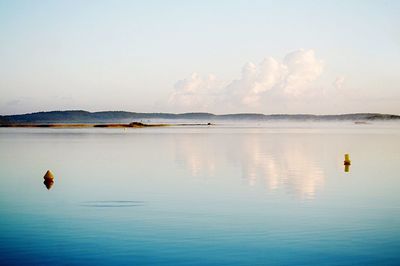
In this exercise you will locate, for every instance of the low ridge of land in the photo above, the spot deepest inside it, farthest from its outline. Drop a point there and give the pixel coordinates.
(85, 117)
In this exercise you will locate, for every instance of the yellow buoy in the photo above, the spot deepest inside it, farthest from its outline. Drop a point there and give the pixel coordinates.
(347, 159)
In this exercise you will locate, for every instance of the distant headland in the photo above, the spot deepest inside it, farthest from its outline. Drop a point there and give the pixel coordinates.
(85, 117)
(80, 125)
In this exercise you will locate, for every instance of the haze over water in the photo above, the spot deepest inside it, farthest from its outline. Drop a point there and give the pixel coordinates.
(260, 194)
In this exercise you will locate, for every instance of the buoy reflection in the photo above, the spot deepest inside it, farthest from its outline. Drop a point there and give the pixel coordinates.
(346, 168)
(48, 183)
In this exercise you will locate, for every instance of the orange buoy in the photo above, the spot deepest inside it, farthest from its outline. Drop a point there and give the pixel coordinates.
(49, 175)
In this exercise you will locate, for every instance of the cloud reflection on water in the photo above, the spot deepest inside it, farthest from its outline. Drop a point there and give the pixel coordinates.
(288, 164)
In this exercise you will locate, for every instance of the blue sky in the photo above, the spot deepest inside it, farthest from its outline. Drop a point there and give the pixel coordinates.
(216, 56)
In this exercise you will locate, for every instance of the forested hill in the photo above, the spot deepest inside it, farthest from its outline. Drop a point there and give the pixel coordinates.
(119, 116)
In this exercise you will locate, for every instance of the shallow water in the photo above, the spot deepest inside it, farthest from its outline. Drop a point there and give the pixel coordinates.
(262, 194)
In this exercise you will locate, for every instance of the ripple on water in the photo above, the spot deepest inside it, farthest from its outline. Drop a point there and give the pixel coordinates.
(112, 204)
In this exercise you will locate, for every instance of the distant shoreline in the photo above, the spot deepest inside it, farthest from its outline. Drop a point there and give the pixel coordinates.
(89, 125)
(81, 125)
(80, 118)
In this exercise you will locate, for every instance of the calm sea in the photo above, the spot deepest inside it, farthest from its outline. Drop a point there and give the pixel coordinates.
(261, 194)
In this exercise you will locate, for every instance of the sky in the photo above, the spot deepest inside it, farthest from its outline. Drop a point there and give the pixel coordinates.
(319, 57)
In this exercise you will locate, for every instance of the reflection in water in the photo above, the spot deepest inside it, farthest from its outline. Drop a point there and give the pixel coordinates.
(112, 204)
(196, 155)
(289, 165)
(48, 183)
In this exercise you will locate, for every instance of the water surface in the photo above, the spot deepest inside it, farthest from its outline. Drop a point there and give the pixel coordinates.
(260, 194)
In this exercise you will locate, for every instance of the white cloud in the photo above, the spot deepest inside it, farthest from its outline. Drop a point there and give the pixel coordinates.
(303, 69)
(195, 91)
(291, 77)
(338, 83)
